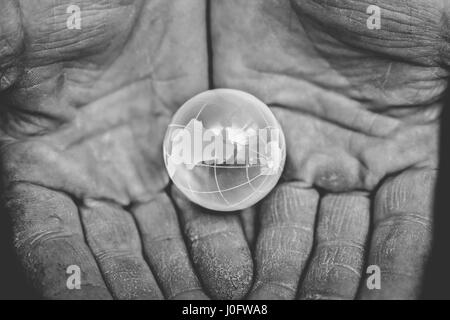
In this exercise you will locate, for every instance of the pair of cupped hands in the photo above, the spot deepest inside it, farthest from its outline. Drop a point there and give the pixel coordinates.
(84, 112)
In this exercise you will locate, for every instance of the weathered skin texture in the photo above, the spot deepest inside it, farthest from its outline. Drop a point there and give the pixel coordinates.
(357, 106)
(287, 221)
(83, 117)
(83, 113)
(218, 247)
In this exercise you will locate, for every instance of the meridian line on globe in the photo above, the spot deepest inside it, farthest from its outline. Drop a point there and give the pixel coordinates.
(264, 117)
(201, 110)
(218, 187)
(252, 194)
(190, 188)
(248, 179)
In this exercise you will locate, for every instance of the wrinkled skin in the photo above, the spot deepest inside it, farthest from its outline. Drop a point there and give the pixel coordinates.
(360, 109)
(84, 113)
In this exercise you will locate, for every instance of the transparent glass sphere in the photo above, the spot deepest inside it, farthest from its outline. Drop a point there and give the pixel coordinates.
(224, 149)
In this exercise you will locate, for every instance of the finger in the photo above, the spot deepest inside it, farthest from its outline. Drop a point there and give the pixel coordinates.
(336, 265)
(165, 249)
(49, 239)
(218, 248)
(284, 241)
(402, 234)
(113, 237)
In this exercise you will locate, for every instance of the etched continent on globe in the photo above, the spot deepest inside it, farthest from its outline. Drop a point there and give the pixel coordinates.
(225, 150)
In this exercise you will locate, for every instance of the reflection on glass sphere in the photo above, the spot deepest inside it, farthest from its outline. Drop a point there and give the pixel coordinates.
(224, 149)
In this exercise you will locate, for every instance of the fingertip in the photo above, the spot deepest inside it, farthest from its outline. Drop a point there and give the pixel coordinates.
(268, 291)
(191, 295)
(218, 248)
(225, 267)
(89, 292)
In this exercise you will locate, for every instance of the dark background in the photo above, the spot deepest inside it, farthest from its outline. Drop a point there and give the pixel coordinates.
(437, 285)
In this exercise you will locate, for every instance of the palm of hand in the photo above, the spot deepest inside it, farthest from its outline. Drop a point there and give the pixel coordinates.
(357, 106)
(84, 119)
(72, 114)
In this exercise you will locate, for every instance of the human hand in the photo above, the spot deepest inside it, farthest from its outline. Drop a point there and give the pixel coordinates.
(83, 117)
(360, 110)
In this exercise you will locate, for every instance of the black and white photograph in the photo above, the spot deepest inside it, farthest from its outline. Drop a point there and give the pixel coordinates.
(237, 150)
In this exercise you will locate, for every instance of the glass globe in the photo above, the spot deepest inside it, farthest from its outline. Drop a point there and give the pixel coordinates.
(224, 149)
